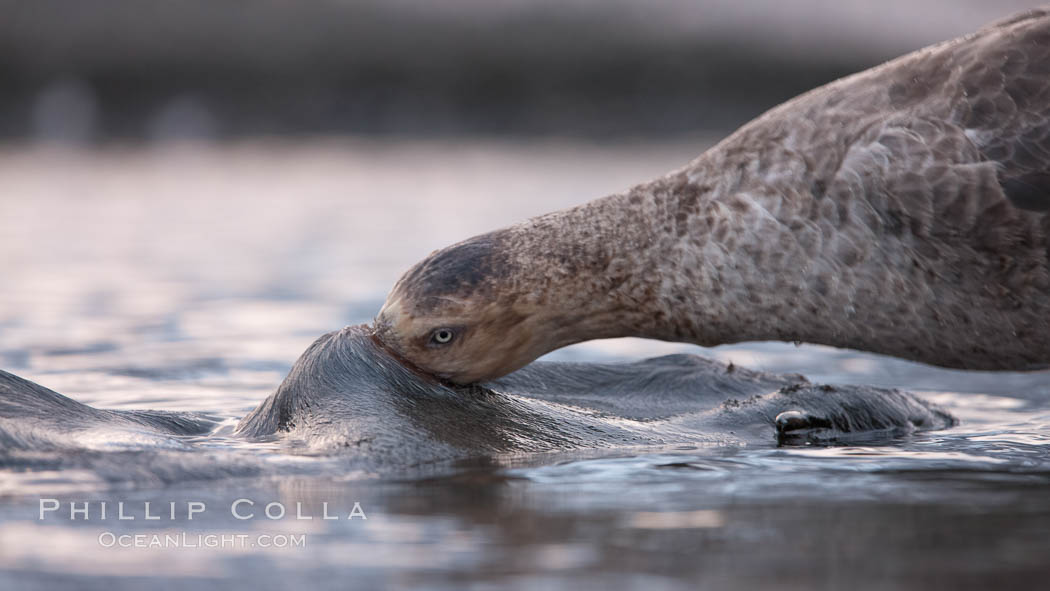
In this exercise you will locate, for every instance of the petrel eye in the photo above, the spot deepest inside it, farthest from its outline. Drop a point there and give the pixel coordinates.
(442, 336)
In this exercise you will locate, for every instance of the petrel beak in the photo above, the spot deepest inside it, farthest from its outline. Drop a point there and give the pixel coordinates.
(386, 320)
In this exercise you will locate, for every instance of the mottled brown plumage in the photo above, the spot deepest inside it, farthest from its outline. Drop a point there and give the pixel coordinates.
(903, 210)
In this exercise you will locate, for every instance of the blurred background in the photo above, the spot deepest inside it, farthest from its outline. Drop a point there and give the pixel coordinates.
(192, 191)
(195, 190)
(204, 69)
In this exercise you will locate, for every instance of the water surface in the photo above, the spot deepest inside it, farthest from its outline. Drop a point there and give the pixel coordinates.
(191, 277)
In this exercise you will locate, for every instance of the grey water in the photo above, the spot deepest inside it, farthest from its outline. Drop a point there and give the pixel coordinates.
(190, 276)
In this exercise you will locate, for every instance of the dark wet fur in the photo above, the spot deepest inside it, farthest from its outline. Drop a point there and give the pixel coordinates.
(40, 430)
(346, 399)
(345, 391)
(35, 406)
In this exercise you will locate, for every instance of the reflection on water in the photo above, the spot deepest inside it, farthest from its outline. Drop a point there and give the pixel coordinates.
(191, 278)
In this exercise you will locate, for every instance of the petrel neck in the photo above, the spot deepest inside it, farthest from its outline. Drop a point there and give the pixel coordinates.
(723, 252)
(676, 259)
